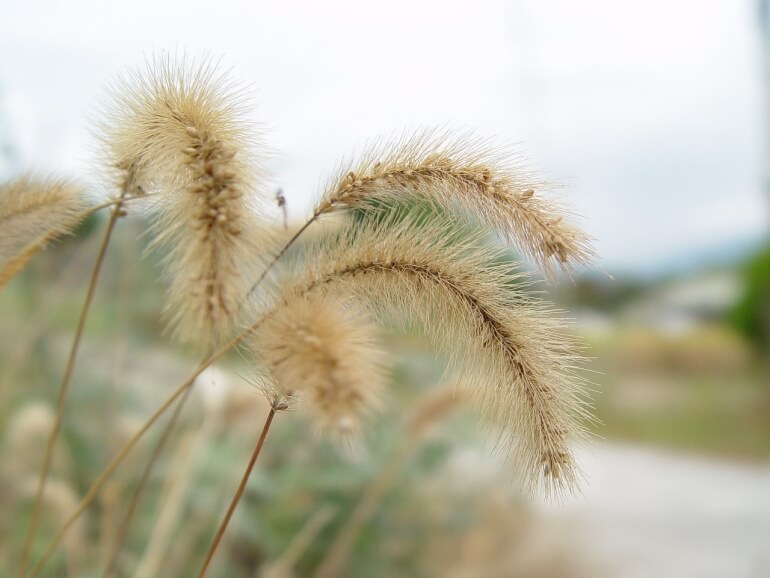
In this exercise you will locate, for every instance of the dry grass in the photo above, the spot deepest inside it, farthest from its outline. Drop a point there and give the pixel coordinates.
(34, 212)
(324, 353)
(512, 352)
(177, 135)
(180, 129)
(471, 173)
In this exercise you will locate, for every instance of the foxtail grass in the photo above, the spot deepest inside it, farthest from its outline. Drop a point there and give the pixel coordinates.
(518, 365)
(182, 129)
(325, 354)
(276, 407)
(115, 214)
(178, 133)
(34, 213)
(510, 349)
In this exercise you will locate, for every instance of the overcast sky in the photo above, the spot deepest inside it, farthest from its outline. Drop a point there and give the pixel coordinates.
(648, 111)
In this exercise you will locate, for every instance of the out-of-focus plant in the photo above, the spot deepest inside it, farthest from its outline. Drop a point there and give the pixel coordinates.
(177, 142)
(751, 314)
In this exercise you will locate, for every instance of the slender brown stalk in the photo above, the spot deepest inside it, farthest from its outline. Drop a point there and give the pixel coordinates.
(110, 468)
(238, 493)
(172, 422)
(281, 253)
(120, 456)
(284, 565)
(129, 513)
(35, 330)
(107, 472)
(118, 201)
(337, 556)
(464, 291)
(20, 259)
(432, 408)
(171, 504)
(64, 387)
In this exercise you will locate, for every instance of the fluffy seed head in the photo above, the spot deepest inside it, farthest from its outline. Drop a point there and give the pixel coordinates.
(473, 175)
(181, 129)
(325, 353)
(35, 211)
(511, 351)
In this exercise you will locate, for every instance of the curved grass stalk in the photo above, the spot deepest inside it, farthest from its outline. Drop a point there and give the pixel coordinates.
(433, 407)
(284, 565)
(171, 505)
(515, 357)
(117, 212)
(15, 265)
(524, 382)
(274, 408)
(169, 428)
(110, 468)
(137, 493)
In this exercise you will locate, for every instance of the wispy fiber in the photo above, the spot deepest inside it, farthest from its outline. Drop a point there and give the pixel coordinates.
(469, 173)
(324, 353)
(33, 213)
(512, 351)
(181, 129)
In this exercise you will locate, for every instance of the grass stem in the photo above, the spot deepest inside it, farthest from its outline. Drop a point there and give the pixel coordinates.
(238, 493)
(64, 386)
(134, 502)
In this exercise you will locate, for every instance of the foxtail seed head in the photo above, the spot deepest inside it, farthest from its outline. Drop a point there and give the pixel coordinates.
(181, 129)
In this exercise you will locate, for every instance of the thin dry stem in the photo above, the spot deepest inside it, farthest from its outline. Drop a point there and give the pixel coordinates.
(171, 504)
(238, 494)
(142, 483)
(108, 470)
(280, 254)
(105, 475)
(64, 386)
(429, 410)
(282, 567)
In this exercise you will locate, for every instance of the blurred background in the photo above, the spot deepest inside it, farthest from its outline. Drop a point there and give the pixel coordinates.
(652, 117)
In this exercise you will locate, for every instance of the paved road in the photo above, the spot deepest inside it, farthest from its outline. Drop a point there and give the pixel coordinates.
(660, 515)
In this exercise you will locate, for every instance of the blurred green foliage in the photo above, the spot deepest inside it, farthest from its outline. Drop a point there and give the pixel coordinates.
(751, 315)
(88, 225)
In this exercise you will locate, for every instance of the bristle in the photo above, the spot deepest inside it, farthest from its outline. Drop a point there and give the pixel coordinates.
(181, 130)
(34, 212)
(513, 353)
(324, 353)
(473, 175)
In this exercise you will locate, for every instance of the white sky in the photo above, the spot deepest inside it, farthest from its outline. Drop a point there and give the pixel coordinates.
(649, 111)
